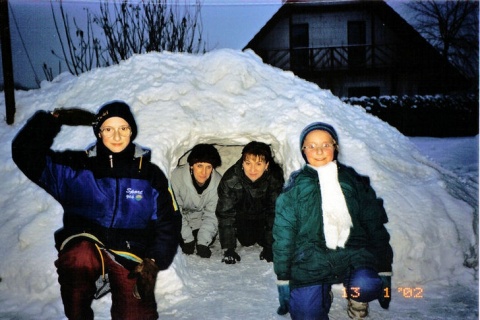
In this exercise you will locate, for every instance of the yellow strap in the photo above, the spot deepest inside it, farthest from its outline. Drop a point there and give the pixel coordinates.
(85, 235)
(174, 202)
(103, 262)
(124, 254)
(127, 255)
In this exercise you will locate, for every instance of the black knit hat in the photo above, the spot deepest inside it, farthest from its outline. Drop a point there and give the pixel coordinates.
(257, 148)
(114, 109)
(318, 126)
(204, 153)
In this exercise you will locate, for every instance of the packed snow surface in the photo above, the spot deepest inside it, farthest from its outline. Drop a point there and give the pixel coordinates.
(229, 98)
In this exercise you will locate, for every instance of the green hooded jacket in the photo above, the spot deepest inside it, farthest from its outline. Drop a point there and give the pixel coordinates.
(299, 248)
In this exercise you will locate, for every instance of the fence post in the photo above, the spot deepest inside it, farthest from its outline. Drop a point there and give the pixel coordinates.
(9, 86)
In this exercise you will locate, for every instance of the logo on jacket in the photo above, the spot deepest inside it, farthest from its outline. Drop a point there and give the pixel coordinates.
(134, 194)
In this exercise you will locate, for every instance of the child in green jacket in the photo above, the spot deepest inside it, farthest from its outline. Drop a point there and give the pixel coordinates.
(329, 228)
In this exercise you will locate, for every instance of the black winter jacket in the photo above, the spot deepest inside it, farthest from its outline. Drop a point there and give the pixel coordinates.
(240, 198)
(122, 199)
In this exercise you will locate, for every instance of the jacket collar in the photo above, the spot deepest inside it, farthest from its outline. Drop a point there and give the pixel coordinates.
(138, 151)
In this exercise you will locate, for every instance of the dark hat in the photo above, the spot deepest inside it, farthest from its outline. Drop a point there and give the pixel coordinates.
(114, 109)
(204, 153)
(318, 126)
(257, 148)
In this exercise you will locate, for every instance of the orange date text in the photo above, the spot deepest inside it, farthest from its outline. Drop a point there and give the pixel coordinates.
(411, 292)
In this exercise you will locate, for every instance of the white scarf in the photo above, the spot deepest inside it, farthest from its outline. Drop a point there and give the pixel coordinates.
(336, 218)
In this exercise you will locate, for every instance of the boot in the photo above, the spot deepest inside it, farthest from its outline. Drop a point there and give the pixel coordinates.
(357, 310)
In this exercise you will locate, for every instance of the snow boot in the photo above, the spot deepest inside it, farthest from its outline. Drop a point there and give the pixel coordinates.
(357, 310)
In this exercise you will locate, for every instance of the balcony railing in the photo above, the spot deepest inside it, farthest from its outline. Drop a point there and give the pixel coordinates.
(332, 58)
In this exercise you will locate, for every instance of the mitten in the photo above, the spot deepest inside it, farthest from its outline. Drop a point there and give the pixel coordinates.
(231, 257)
(146, 274)
(386, 294)
(266, 254)
(74, 116)
(203, 251)
(283, 287)
(189, 247)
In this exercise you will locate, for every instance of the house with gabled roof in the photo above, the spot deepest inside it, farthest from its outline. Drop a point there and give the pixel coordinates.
(354, 48)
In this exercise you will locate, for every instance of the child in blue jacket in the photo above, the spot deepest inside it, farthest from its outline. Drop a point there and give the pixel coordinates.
(120, 219)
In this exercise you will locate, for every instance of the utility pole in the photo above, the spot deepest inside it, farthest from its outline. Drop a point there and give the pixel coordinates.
(9, 87)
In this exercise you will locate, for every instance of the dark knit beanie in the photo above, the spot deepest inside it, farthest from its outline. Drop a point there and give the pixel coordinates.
(115, 109)
(318, 126)
(204, 153)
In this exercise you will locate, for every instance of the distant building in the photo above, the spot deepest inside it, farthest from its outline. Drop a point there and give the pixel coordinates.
(354, 48)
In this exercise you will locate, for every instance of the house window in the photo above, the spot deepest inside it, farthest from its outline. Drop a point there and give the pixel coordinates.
(356, 43)
(299, 44)
(363, 92)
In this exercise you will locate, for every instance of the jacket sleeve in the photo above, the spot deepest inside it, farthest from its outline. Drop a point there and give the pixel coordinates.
(373, 219)
(31, 145)
(167, 226)
(284, 235)
(227, 198)
(209, 225)
(275, 188)
(178, 189)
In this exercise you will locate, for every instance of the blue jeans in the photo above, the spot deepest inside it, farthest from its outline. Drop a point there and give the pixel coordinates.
(310, 303)
(363, 285)
(314, 302)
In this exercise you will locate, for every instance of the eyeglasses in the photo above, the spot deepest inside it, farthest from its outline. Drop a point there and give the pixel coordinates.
(123, 131)
(312, 147)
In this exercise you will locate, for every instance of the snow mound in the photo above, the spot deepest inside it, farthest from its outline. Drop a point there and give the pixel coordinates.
(229, 98)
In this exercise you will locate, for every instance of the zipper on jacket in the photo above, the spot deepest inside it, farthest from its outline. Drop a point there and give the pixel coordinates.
(117, 196)
(111, 161)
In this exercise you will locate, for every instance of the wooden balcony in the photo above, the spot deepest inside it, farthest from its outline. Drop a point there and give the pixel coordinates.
(333, 58)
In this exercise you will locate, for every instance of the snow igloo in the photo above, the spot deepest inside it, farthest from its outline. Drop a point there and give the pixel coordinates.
(229, 98)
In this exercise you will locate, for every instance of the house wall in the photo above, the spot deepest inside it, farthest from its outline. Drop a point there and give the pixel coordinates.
(386, 83)
(326, 29)
(330, 29)
(278, 37)
(403, 69)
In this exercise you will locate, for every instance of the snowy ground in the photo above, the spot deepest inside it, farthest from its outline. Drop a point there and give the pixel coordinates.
(430, 187)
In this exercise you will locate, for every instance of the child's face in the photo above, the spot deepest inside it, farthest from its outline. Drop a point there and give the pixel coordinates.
(319, 148)
(115, 133)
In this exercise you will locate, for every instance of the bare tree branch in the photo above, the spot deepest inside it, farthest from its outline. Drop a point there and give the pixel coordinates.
(128, 27)
(451, 26)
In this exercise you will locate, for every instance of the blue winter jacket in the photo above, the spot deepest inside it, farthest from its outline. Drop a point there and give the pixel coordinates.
(122, 199)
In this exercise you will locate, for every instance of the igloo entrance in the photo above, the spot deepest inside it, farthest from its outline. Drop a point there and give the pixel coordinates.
(230, 150)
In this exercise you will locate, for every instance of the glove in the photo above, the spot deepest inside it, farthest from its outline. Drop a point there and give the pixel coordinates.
(189, 247)
(266, 254)
(386, 295)
(231, 257)
(74, 116)
(283, 287)
(203, 251)
(146, 274)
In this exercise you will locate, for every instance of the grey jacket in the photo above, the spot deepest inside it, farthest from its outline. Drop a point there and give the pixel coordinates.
(198, 210)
